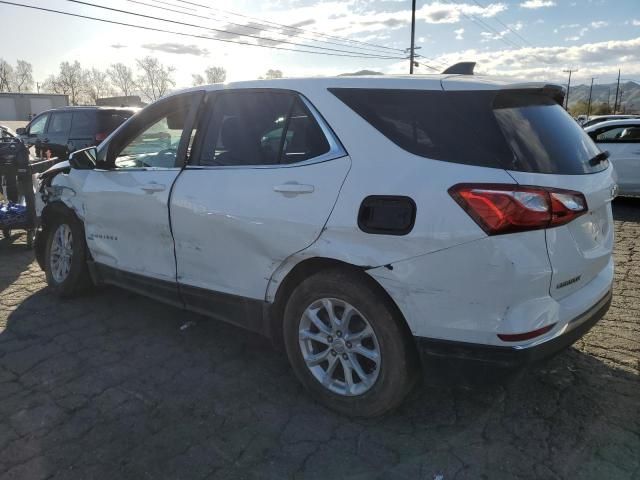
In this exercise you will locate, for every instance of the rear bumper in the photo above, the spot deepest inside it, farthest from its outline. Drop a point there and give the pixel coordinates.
(517, 356)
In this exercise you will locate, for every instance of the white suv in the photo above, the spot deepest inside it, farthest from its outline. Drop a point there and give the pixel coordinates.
(360, 221)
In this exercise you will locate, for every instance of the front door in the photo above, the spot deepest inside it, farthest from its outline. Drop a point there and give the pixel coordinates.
(623, 143)
(126, 202)
(260, 188)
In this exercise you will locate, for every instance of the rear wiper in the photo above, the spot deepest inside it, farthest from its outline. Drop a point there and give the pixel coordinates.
(599, 158)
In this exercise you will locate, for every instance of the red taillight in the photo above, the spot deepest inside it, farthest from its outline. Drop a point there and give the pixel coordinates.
(519, 337)
(101, 136)
(500, 209)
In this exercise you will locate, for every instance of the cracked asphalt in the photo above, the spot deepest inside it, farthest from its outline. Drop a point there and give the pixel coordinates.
(109, 386)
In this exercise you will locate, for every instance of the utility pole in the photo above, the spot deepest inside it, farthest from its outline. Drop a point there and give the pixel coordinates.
(413, 36)
(615, 104)
(38, 86)
(570, 71)
(590, 92)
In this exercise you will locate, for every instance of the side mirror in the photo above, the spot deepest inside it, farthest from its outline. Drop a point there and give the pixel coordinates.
(84, 159)
(21, 131)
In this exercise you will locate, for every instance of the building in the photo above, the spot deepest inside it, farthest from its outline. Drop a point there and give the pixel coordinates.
(22, 106)
(130, 101)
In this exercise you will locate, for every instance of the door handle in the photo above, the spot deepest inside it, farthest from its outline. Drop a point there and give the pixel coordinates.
(293, 188)
(153, 187)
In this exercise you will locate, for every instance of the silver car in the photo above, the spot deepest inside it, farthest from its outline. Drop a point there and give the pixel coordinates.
(621, 138)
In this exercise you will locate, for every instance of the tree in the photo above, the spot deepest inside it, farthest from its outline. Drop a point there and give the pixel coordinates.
(98, 85)
(215, 74)
(578, 108)
(155, 79)
(71, 80)
(23, 76)
(601, 109)
(6, 76)
(121, 77)
(197, 79)
(271, 74)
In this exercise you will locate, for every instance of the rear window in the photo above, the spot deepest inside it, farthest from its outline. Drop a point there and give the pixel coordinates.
(521, 130)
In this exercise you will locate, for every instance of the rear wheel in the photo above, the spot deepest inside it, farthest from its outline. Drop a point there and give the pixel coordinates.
(65, 261)
(347, 346)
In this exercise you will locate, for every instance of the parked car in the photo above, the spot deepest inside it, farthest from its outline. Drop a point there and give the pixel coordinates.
(594, 120)
(395, 217)
(621, 138)
(9, 147)
(65, 130)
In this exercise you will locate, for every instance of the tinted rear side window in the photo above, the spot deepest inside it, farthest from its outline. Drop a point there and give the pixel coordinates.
(110, 120)
(520, 130)
(84, 124)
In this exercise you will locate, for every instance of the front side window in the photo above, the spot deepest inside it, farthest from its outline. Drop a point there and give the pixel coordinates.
(60, 123)
(617, 134)
(37, 127)
(157, 144)
(261, 128)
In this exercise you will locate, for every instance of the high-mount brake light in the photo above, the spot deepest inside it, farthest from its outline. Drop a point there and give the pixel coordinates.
(500, 208)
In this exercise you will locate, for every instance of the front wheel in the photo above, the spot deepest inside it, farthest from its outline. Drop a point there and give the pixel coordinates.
(347, 345)
(65, 256)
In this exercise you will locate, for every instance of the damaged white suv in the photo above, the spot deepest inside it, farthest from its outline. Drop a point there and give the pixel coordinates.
(360, 221)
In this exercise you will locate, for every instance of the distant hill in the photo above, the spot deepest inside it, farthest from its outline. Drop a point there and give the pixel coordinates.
(604, 93)
(360, 73)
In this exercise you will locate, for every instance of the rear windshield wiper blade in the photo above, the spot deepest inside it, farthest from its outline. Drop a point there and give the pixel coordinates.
(599, 158)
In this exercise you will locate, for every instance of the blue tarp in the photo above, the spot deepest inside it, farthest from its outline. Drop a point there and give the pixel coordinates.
(12, 215)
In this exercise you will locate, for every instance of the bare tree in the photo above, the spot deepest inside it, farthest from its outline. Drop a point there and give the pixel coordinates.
(215, 74)
(155, 79)
(98, 85)
(121, 77)
(23, 77)
(71, 81)
(271, 74)
(197, 79)
(6, 76)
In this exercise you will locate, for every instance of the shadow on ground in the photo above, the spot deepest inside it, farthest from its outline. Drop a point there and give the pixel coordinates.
(109, 386)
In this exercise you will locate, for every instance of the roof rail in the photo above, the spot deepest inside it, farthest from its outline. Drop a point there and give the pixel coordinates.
(462, 68)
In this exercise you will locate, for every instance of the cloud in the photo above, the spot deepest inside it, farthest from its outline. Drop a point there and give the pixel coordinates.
(599, 24)
(635, 23)
(177, 48)
(546, 63)
(118, 46)
(459, 34)
(532, 4)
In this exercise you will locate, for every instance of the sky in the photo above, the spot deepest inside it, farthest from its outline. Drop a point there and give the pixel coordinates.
(532, 39)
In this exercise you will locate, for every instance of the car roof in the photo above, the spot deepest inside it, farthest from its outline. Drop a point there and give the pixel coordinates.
(409, 82)
(90, 108)
(613, 123)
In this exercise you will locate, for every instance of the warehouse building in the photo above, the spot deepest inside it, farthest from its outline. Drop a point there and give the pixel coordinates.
(23, 106)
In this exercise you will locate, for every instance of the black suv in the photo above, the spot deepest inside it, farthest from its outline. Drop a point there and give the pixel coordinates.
(65, 130)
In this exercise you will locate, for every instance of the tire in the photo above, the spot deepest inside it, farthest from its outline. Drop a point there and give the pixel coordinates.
(75, 279)
(386, 381)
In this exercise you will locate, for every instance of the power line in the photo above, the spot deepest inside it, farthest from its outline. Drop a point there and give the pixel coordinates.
(249, 27)
(191, 35)
(192, 25)
(287, 26)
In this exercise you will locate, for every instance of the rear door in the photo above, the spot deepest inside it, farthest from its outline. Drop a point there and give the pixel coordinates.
(260, 187)
(83, 130)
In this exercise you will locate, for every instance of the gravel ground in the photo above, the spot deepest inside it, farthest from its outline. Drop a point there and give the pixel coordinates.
(109, 386)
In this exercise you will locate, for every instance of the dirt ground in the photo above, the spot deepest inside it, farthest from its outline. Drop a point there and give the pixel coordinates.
(108, 386)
